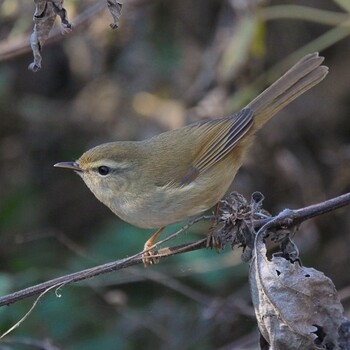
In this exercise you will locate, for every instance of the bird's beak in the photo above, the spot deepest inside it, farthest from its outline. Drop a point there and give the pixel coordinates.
(69, 165)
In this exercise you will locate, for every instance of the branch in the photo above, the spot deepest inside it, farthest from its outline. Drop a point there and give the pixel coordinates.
(98, 270)
(287, 218)
(303, 214)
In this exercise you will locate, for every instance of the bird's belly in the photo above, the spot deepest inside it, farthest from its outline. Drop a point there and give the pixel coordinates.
(166, 206)
(154, 215)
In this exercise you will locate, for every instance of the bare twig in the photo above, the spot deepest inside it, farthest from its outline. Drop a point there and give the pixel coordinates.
(292, 217)
(95, 271)
(33, 343)
(17, 324)
(303, 214)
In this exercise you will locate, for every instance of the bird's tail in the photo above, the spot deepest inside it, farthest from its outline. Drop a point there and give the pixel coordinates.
(301, 77)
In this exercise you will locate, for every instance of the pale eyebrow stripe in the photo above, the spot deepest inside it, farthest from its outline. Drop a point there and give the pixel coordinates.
(110, 164)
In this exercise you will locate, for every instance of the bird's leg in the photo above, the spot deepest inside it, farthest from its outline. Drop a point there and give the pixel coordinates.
(147, 257)
(211, 239)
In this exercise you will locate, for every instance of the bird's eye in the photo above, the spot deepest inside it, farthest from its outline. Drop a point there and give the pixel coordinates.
(103, 170)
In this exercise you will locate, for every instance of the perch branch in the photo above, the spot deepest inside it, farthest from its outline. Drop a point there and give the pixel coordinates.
(293, 217)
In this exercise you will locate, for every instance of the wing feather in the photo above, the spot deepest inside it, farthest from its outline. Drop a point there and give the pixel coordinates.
(228, 132)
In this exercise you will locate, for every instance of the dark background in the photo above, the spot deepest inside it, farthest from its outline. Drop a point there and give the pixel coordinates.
(169, 63)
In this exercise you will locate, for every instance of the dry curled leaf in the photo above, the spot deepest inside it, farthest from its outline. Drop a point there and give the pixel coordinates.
(234, 223)
(115, 8)
(296, 307)
(44, 19)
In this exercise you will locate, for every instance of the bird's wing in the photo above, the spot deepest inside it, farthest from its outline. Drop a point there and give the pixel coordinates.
(222, 136)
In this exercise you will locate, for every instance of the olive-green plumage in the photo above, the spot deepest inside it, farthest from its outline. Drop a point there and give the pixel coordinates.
(183, 172)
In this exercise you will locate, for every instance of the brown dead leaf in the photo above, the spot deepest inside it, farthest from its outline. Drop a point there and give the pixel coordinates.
(296, 307)
(115, 8)
(44, 19)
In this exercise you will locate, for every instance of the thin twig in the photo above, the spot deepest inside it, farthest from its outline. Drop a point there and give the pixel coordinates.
(95, 271)
(294, 217)
(33, 343)
(17, 324)
(303, 214)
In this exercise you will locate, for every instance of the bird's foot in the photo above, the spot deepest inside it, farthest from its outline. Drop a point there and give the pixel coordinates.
(149, 257)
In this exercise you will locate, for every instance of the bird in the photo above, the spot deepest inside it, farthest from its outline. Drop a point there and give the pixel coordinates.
(181, 173)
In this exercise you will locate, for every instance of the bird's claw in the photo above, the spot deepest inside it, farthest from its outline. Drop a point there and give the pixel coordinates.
(150, 257)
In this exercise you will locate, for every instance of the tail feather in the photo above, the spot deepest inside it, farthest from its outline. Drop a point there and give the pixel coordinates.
(305, 74)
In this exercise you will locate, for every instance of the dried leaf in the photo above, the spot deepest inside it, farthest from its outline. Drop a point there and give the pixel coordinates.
(44, 19)
(296, 307)
(115, 8)
(234, 224)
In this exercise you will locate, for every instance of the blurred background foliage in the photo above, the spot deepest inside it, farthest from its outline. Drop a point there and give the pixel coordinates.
(169, 63)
